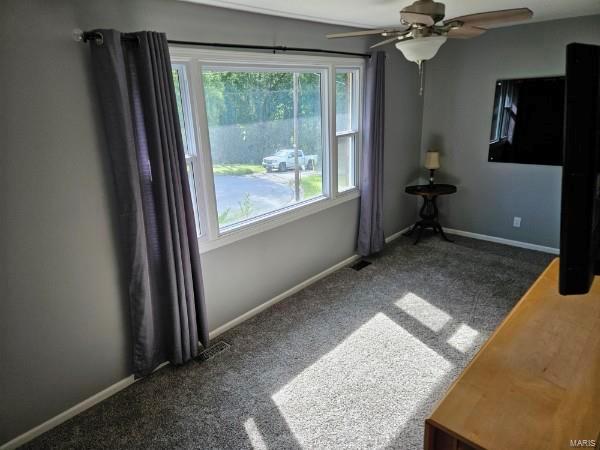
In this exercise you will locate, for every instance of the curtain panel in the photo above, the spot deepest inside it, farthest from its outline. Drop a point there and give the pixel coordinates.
(370, 231)
(139, 114)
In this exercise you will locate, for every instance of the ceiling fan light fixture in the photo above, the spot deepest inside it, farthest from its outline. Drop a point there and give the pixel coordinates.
(421, 49)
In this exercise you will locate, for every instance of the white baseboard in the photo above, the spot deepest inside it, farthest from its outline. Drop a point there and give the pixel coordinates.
(223, 328)
(254, 311)
(125, 382)
(395, 236)
(68, 414)
(120, 385)
(71, 412)
(484, 237)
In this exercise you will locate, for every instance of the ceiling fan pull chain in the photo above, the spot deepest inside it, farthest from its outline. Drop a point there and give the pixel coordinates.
(421, 65)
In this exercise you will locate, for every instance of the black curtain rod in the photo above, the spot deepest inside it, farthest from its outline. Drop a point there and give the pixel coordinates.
(95, 36)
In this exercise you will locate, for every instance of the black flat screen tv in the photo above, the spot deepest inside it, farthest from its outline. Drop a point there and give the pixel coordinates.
(527, 121)
(580, 209)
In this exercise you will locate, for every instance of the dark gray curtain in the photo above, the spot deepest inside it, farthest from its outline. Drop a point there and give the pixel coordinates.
(139, 112)
(370, 231)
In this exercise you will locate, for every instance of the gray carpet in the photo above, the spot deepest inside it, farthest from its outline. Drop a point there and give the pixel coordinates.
(356, 360)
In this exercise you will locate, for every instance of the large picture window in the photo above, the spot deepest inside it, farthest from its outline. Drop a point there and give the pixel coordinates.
(268, 138)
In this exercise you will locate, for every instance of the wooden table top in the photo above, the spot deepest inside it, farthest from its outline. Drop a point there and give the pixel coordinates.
(535, 384)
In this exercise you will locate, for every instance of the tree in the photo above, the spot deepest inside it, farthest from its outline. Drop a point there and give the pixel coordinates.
(250, 114)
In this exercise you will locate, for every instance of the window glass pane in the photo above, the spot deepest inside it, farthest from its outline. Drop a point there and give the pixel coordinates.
(346, 162)
(181, 98)
(495, 132)
(190, 173)
(183, 108)
(344, 101)
(266, 143)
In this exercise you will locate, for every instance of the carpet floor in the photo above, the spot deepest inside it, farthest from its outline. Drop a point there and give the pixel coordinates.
(357, 360)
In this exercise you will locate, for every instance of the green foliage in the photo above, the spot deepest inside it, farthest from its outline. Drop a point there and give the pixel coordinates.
(225, 217)
(343, 93)
(229, 216)
(246, 206)
(312, 185)
(250, 114)
(237, 169)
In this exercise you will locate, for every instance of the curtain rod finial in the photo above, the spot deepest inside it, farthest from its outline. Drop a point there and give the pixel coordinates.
(85, 36)
(77, 34)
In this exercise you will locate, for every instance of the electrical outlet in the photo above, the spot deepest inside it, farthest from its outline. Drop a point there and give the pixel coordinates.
(517, 222)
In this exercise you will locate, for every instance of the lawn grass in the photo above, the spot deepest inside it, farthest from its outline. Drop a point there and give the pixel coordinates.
(237, 169)
(312, 185)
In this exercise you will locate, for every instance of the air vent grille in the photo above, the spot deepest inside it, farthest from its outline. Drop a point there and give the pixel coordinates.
(213, 351)
(361, 265)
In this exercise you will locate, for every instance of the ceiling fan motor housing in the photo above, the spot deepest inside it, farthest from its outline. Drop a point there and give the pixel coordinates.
(436, 10)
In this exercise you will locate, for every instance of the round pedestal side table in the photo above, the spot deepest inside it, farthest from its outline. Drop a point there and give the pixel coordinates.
(429, 210)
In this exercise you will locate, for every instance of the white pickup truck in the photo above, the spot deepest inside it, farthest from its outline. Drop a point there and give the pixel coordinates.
(284, 160)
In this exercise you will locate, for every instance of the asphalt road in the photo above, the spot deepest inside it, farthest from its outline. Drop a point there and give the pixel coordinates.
(268, 191)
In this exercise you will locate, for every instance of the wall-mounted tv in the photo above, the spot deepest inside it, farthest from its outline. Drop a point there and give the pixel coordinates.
(580, 212)
(527, 123)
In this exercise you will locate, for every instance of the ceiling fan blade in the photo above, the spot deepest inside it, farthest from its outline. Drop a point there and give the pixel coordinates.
(422, 19)
(489, 18)
(465, 32)
(387, 41)
(397, 35)
(358, 33)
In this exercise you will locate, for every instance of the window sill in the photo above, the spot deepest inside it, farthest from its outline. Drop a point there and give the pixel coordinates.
(264, 223)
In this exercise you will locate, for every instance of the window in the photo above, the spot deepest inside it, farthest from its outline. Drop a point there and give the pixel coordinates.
(258, 131)
(266, 140)
(346, 102)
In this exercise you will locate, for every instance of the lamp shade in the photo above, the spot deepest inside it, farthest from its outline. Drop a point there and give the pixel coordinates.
(420, 49)
(432, 160)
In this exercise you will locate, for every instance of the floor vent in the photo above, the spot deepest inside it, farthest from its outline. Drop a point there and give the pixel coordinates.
(213, 351)
(361, 265)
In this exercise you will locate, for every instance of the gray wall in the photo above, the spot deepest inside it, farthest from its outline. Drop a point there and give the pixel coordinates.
(403, 108)
(64, 327)
(457, 118)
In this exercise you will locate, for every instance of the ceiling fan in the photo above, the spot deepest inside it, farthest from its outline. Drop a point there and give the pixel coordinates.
(422, 31)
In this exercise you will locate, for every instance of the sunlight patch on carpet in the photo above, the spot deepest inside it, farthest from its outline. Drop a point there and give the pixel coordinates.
(429, 315)
(464, 338)
(364, 391)
(256, 439)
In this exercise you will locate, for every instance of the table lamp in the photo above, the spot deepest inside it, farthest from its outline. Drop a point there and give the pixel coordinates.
(432, 162)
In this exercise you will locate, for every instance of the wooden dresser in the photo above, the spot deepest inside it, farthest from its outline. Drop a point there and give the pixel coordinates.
(535, 384)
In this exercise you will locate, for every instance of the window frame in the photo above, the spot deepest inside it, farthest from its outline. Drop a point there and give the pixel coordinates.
(356, 129)
(326, 160)
(191, 143)
(192, 60)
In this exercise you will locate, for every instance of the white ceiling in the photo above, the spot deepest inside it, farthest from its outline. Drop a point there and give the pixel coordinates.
(377, 13)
